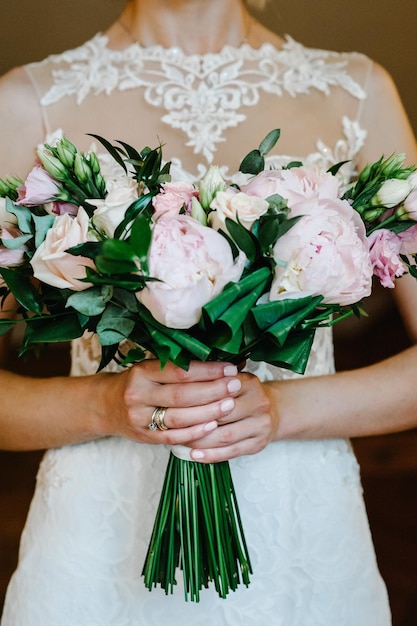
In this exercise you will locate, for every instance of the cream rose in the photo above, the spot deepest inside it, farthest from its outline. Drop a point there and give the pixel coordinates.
(236, 205)
(110, 212)
(52, 264)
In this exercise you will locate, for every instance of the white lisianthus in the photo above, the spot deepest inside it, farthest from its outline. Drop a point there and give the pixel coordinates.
(392, 192)
(110, 212)
(236, 205)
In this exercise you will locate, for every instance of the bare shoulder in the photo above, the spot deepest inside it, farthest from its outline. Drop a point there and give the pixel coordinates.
(21, 123)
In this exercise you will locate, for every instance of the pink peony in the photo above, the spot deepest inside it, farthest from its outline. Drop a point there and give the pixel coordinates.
(52, 264)
(326, 254)
(174, 197)
(38, 188)
(297, 184)
(193, 263)
(384, 249)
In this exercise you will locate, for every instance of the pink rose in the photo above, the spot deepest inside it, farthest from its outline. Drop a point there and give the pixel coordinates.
(38, 188)
(193, 263)
(384, 249)
(326, 254)
(10, 257)
(236, 205)
(174, 197)
(52, 264)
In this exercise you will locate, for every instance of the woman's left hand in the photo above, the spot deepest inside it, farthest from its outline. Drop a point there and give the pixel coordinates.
(246, 430)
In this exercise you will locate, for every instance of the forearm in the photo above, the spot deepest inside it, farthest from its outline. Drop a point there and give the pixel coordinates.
(37, 413)
(373, 400)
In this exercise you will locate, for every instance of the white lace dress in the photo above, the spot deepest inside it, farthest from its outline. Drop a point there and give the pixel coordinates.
(301, 502)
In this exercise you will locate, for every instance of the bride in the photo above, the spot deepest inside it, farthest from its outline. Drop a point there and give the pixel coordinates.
(208, 81)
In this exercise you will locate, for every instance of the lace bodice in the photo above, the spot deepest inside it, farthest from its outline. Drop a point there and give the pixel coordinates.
(208, 107)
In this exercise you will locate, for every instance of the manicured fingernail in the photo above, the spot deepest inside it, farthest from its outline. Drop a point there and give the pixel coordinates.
(227, 405)
(197, 454)
(234, 385)
(230, 370)
(210, 426)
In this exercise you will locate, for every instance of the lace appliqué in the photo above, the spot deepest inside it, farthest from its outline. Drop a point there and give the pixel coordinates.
(202, 95)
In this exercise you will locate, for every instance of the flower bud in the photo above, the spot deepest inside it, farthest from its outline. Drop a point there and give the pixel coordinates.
(66, 152)
(197, 211)
(94, 163)
(52, 165)
(392, 192)
(210, 185)
(372, 215)
(82, 170)
(391, 164)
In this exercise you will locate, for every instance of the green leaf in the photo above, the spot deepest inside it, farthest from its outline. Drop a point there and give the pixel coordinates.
(234, 291)
(23, 290)
(293, 355)
(90, 302)
(114, 326)
(253, 163)
(140, 239)
(89, 250)
(114, 152)
(280, 317)
(118, 250)
(52, 329)
(269, 142)
(17, 242)
(6, 325)
(137, 207)
(23, 215)
(42, 224)
(243, 239)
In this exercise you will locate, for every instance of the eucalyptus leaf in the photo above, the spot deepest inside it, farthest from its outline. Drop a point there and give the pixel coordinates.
(42, 224)
(89, 302)
(23, 215)
(17, 242)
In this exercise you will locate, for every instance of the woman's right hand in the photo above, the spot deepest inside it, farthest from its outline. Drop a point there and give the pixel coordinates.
(194, 400)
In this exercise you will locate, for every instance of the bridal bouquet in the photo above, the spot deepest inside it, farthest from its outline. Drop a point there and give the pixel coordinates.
(209, 271)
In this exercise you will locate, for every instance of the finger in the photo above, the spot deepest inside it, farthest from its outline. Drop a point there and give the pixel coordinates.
(179, 418)
(196, 395)
(197, 372)
(178, 436)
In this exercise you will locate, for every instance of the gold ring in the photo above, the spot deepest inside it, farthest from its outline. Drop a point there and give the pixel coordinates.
(157, 421)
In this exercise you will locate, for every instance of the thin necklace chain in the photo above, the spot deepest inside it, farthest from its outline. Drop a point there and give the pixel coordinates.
(248, 29)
